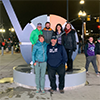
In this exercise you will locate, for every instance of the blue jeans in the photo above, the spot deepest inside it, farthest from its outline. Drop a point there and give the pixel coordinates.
(40, 70)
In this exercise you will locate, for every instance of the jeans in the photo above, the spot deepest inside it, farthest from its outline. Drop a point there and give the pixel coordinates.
(40, 70)
(70, 61)
(52, 76)
(93, 60)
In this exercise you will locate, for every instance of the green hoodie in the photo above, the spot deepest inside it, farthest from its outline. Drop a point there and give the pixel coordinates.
(34, 36)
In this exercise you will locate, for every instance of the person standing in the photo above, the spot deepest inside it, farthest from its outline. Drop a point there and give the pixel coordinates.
(35, 33)
(90, 55)
(97, 50)
(58, 31)
(56, 59)
(47, 32)
(39, 58)
(69, 42)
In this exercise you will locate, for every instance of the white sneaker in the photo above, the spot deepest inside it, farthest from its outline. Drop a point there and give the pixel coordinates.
(87, 73)
(98, 75)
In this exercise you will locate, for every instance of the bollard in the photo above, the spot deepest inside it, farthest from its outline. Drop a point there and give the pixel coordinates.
(2, 49)
(12, 49)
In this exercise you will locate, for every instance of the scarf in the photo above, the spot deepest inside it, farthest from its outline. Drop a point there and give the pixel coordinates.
(67, 31)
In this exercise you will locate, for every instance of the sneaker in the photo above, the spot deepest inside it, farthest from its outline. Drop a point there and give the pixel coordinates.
(37, 91)
(61, 91)
(42, 91)
(51, 90)
(87, 73)
(98, 74)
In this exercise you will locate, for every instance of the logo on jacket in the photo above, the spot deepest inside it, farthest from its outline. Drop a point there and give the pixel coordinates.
(53, 50)
(91, 49)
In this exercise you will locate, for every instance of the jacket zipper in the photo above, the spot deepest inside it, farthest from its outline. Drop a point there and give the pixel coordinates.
(43, 53)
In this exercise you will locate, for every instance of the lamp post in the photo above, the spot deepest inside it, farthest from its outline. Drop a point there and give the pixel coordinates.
(67, 12)
(82, 15)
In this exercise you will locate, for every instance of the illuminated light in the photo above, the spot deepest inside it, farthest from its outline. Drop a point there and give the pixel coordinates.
(91, 30)
(86, 30)
(81, 36)
(87, 34)
(2, 30)
(11, 29)
(95, 17)
(80, 13)
(98, 26)
(82, 2)
(78, 30)
(88, 17)
(98, 19)
(84, 13)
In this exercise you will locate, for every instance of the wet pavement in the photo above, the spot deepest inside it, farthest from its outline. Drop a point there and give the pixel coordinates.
(10, 91)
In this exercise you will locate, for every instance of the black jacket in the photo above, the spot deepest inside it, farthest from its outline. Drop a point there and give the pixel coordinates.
(69, 40)
(97, 48)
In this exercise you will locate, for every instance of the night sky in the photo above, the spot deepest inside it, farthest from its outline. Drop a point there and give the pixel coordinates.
(26, 10)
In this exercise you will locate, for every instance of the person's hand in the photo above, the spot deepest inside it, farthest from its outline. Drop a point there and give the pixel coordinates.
(34, 64)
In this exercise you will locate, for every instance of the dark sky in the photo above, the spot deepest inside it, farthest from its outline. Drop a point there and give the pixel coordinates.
(26, 10)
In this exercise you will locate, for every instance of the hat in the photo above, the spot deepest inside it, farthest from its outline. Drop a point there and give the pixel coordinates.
(53, 37)
(98, 38)
(39, 24)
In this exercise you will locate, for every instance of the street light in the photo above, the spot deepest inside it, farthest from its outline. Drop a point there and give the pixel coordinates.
(82, 2)
(11, 29)
(2, 31)
(82, 14)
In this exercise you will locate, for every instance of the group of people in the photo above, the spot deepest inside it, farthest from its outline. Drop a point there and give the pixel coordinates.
(8, 44)
(52, 52)
(92, 51)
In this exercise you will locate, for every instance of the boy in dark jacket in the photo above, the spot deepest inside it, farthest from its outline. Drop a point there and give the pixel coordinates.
(56, 59)
(90, 55)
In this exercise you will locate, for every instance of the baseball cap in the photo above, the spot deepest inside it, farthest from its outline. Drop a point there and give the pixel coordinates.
(53, 37)
(39, 24)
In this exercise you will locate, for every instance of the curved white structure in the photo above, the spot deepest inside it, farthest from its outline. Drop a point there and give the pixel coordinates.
(22, 76)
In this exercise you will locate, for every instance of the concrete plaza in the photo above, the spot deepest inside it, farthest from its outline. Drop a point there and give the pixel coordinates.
(10, 91)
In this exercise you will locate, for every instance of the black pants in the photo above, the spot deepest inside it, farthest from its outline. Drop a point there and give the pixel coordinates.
(52, 76)
(70, 61)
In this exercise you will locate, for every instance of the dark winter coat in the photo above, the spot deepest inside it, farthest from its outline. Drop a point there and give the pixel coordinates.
(97, 48)
(69, 40)
(56, 55)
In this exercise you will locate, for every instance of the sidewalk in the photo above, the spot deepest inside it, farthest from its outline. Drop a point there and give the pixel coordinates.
(10, 91)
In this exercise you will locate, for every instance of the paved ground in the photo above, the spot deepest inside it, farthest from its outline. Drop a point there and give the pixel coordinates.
(10, 91)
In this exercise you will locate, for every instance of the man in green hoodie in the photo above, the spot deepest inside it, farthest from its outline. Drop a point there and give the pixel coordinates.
(35, 33)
